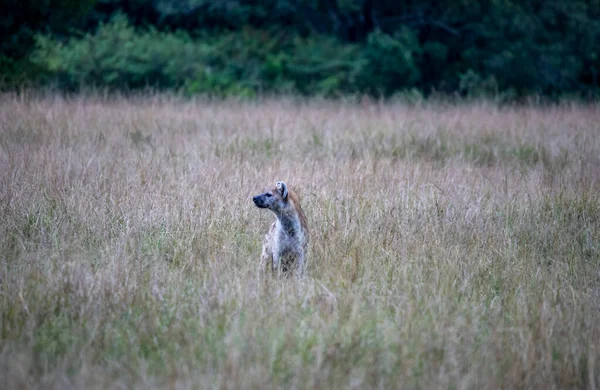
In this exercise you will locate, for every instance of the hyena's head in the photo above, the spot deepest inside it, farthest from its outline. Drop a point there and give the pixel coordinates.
(275, 199)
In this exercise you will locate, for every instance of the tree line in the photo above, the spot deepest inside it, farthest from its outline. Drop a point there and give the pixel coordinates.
(505, 48)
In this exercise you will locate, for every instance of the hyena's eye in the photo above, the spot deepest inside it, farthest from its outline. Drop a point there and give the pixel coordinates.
(268, 195)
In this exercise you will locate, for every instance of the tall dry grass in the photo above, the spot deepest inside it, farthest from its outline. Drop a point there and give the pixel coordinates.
(453, 246)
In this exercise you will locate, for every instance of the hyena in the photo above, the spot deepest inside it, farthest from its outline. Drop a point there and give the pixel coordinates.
(285, 244)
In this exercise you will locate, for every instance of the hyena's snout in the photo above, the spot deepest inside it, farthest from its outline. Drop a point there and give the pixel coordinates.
(259, 201)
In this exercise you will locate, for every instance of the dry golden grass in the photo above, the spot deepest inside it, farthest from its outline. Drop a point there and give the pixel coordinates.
(453, 246)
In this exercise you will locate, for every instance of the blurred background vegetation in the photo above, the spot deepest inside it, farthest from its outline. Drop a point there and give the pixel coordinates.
(506, 49)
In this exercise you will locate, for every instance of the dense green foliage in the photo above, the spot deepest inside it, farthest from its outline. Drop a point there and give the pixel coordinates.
(505, 48)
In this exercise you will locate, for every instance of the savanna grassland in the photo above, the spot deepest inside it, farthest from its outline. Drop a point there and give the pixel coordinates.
(453, 245)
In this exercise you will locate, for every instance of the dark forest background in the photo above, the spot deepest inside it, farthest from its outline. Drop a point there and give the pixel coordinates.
(502, 48)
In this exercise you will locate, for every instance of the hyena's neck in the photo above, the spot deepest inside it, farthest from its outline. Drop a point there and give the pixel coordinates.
(290, 223)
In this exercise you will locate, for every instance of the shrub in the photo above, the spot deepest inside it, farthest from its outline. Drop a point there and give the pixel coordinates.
(116, 56)
(322, 65)
(390, 62)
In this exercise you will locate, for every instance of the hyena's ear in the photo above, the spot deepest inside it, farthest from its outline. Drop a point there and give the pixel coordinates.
(282, 188)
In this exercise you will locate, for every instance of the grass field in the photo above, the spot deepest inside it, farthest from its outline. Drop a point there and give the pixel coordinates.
(453, 246)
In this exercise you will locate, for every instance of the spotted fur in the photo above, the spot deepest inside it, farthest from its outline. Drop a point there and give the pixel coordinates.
(286, 241)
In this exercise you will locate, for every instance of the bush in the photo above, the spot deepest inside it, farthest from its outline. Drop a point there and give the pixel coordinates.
(323, 66)
(507, 48)
(390, 62)
(507, 51)
(117, 56)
